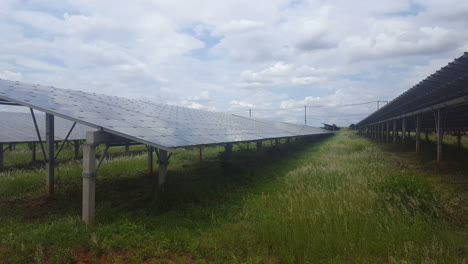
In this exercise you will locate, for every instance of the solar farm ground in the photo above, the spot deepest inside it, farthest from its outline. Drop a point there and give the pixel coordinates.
(345, 199)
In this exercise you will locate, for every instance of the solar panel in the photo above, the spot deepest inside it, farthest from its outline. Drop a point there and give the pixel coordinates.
(158, 125)
(19, 127)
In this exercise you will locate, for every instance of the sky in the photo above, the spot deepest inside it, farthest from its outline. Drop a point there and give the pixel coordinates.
(271, 56)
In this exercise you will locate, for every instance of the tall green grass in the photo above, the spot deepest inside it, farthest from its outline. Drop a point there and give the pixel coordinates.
(346, 203)
(342, 200)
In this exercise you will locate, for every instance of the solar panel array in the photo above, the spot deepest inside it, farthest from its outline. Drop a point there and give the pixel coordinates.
(157, 125)
(19, 127)
(448, 83)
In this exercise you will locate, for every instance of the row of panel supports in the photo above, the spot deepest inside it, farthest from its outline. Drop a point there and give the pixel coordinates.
(90, 171)
(91, 164)
(93, 139)
(381, 131)
(33, 148)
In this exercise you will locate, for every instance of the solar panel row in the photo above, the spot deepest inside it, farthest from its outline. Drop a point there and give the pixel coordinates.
(157, 125)
(19, 127)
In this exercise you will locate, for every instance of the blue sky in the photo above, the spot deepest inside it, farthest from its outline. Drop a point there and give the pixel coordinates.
(235, 55)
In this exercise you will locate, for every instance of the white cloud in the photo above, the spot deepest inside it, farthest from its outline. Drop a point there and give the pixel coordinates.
(203, 54)
(238, 27)
(9, 75)
(281, 74)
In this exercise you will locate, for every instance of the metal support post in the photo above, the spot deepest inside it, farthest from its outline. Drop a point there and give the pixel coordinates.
(228, 150)
(33, 151)
(382, 131)
(50, 154)
(418, 133)
(377, 130)
(150, 161)
(440, 134)
(394, 131)
(89, 175)
(127, 147)
(403, 129)
(387, 134)
(259, 146)
(76, 147)
(200, 154)
(89, 183)
(163, 161)
(459, 137)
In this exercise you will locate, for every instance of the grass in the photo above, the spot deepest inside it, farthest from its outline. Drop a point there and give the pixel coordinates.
(340, 200)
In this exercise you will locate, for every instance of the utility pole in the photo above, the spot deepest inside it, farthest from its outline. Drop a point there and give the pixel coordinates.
(250, 112)
(305, 115)
(378, 104)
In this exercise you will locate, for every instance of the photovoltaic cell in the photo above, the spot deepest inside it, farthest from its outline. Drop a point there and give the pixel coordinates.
(158, 125)
(19, 127)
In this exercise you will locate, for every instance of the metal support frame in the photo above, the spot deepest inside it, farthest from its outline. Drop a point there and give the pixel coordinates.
(450, 103)
(228, 147)
(103, 156)
(66, 140)
(150, 161)
(418, 134)
(259, 145)
(394, 132)
(38, 134)
(33, 151)
(163, 161)
(387, 134)
(50, 151)
(440, 133)
(76, 147)
(381, 135)
(403, 129)
(459, 137)
(227, 150)
(376, 131)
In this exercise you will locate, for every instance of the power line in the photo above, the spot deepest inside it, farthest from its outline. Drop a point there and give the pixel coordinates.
(340, 117)
(300, 108)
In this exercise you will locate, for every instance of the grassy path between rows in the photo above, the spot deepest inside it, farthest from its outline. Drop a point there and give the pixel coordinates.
(341, 200)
